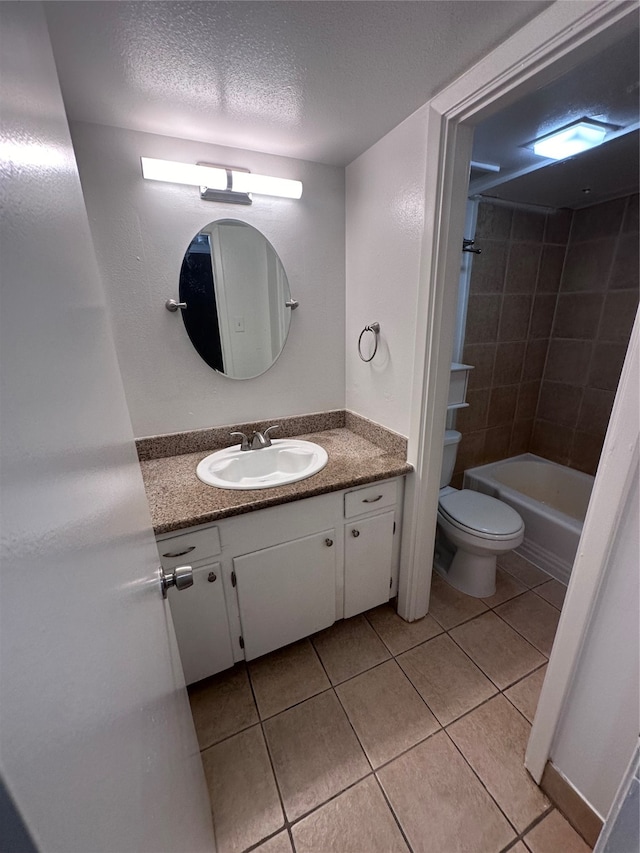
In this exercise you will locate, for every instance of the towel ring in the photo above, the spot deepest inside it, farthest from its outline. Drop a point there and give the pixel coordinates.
(375, 328)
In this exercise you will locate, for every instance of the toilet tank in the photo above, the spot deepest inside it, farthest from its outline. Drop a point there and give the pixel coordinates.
(451, 441)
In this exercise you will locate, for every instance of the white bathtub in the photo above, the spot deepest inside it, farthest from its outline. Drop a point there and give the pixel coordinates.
(551, 499)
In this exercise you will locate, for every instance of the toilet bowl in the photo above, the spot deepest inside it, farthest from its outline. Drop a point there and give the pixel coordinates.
(473, 530)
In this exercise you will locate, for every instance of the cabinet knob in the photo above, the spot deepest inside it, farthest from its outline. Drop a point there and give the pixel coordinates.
(328, 542)
(181, 578)
(355, 533)
(212, 577)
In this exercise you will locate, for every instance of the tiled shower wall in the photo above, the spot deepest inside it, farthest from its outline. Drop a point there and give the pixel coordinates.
(594, 316)
(551, 305)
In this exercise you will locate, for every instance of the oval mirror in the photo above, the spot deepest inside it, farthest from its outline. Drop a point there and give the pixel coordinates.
(235, 289)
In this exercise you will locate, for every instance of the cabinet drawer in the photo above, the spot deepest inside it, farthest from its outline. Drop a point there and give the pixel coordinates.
(189, 547)
(370, 499)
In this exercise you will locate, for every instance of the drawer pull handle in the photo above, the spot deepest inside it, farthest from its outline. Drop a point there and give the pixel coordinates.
(355, 533)
(212, 577)
(371, 500)
(180, 553)
(328, 542)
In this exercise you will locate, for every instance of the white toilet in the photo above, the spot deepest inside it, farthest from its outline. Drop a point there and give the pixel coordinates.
(473, 529)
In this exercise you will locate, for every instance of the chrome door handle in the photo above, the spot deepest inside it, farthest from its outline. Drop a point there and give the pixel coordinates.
(181, 578)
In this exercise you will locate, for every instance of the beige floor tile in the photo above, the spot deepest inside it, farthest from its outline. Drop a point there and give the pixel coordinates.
(222, 705)
(315, 753)
(286, 677)
(520, 848)
(441, 805)
(524, 695)
(280, 843)
(554, 834)
(348, 648)
(534, 618)
(522, 569)
(386, 712)
(553, 591)
(493, 739)
(506, 587)
(446, 679)
(358, 820)
(450, 607)
(496, 648)
(398, 635)
(244, 798)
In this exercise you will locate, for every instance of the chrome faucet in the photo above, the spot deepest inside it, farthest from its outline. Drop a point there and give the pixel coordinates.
(261, 439)
(258, 440)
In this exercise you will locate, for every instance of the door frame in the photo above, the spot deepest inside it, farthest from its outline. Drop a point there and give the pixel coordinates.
(557, 40)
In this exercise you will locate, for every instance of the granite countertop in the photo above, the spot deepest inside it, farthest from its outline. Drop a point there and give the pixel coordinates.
(178, 499)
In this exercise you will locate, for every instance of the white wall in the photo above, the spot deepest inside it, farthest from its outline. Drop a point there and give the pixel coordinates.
(141, 230)
(598, 730)
(385, 217)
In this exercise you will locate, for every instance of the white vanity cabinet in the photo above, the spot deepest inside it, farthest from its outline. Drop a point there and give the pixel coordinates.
(283, 573)
(200, 620)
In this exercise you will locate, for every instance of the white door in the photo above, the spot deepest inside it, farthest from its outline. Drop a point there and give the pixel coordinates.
(97, 746)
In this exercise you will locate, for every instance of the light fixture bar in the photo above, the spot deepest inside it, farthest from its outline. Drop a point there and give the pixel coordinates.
(570, 140)
(217, 178)
(183, 173)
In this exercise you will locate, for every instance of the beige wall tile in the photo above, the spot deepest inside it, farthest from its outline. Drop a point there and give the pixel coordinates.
(386, 712)
(450, 607)
(553, 834)
(500, 653)
(244, 798)
(286, 677)
(315, 753)
(446, 679)
(398, 635)
(222, 705)
(525, 694)
(356, 821)
(348, 648)
(439, 802)
(534, 618)
(493, 739)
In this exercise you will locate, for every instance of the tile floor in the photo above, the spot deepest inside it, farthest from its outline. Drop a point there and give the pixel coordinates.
(377, 736)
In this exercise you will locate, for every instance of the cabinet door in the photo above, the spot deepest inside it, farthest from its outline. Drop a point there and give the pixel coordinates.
(199, 616)
(286, 592)
(368, 548)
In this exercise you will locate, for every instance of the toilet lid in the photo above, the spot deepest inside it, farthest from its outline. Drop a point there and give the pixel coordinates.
(480, 512)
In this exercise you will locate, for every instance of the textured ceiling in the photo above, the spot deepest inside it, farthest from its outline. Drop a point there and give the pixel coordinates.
(604, 88)
(320, 81)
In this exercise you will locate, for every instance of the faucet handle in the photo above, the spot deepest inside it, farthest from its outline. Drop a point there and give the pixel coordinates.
(268, 430)
(245, 441)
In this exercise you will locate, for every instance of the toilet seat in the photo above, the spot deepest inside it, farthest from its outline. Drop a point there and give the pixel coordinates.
(480, 515)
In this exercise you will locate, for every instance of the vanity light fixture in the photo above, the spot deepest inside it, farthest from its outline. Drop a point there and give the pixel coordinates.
(572, 139)
(219, 183)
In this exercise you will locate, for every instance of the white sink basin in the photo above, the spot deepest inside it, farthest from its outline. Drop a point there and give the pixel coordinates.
(286, 461)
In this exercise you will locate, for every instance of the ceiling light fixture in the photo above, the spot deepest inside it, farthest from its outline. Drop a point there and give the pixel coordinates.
(569, 140)
(219, 183)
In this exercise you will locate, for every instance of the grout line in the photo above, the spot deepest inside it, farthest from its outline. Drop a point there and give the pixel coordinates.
(528, 829)
(481, 781)
(287, 826)
(393, 814)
